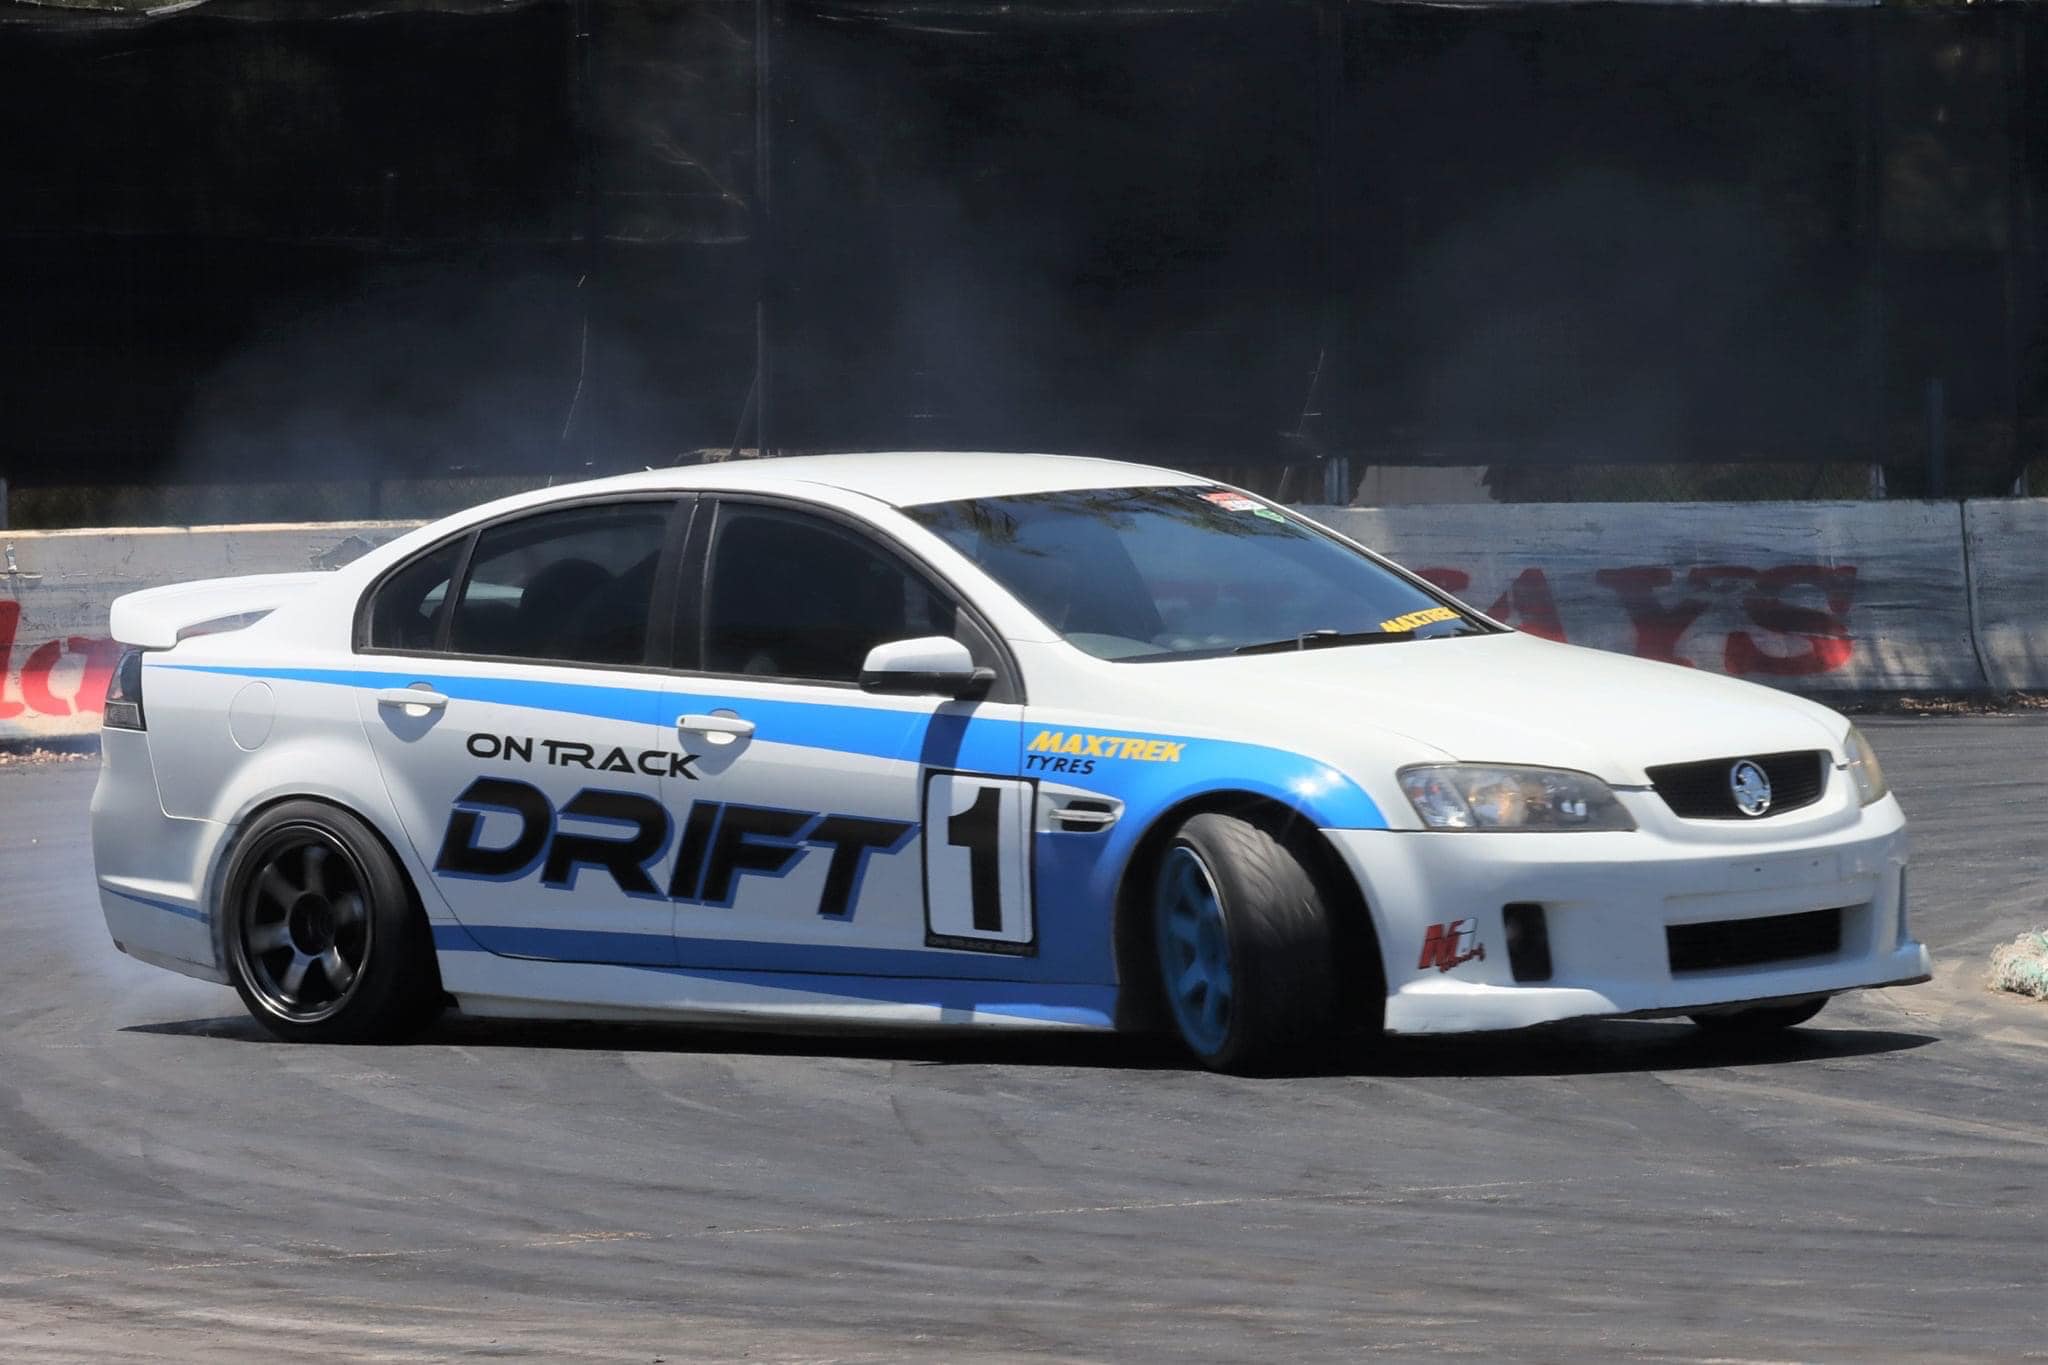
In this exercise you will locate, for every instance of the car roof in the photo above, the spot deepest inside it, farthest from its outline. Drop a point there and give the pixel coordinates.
(906, 478)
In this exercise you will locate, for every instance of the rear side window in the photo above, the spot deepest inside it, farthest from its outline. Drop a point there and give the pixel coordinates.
(406, 613)
(573, 585)
(792, 596)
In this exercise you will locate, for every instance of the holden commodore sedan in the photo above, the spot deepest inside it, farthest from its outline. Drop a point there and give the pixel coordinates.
(961, 740)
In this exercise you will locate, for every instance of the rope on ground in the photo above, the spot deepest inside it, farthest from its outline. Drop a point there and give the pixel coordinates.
(2021, 966)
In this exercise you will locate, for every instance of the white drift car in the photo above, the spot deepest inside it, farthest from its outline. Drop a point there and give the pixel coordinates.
(961, 740)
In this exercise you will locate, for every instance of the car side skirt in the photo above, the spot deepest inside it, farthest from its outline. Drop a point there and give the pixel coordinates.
(492, 985)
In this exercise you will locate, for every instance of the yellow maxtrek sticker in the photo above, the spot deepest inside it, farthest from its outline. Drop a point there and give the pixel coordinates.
(1084, 745)
(1419, 618)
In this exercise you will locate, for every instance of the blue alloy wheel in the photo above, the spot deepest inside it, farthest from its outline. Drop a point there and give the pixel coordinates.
(1247, 956)
(1194, 950)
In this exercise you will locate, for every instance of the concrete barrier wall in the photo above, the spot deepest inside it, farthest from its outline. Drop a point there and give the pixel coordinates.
(2007, 541)
(1817, 597)
(1821, 597)
(56, 586)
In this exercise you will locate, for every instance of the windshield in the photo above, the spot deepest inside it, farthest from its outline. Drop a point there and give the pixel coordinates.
(1163, 573)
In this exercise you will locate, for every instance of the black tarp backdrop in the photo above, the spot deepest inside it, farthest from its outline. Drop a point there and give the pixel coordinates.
(255, 240)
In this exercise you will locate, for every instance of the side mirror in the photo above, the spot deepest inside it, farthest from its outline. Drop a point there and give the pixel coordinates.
(933, 663)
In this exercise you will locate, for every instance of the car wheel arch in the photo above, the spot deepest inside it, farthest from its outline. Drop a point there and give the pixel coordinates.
(1139, 1003)
(231, 847)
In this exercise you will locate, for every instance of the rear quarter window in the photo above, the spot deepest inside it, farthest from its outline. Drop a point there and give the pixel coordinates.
(405, 614)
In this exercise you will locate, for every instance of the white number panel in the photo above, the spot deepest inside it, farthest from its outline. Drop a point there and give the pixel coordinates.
(977, 863)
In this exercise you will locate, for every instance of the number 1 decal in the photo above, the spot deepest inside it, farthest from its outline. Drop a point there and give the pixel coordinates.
(977, 863)
(976, 830)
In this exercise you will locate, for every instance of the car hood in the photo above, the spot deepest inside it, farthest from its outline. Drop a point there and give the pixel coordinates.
(1510, 698)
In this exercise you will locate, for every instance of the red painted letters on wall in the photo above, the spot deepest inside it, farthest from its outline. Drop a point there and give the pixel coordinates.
(38, 694)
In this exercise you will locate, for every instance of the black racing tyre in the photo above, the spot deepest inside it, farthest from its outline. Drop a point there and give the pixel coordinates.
(1761, 1018)
(1245, 948)
(322, 937)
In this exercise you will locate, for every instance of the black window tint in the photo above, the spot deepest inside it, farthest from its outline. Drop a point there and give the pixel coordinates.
(793, 597)
(407, 611)
(573, 585)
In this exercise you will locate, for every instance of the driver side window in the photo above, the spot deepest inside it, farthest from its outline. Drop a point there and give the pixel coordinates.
(795, 596)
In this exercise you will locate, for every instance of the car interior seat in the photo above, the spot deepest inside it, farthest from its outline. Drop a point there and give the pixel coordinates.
(555, 607)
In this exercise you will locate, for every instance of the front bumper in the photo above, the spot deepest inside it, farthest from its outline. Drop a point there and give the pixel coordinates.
(1606, 902)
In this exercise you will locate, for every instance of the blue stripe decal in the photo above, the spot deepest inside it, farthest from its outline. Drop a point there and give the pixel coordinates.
(1088, 1006)
(951, 738)
(185, 910)
(870, 730)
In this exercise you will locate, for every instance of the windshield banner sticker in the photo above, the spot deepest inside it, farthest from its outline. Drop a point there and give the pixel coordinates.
(1416, 619)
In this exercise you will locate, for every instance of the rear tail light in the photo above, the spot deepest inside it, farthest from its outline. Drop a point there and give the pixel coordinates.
(124, 693)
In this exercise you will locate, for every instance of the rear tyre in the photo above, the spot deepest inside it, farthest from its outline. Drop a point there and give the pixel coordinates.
(1246, 955)
(1760, 1018)
(324, 941)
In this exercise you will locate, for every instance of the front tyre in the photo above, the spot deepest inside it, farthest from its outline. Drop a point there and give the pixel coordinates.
(1759, 1019)
(1245, 950)
(324, 943)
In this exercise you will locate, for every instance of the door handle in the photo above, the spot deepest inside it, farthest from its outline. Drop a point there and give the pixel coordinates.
(731, 726)
(412, 696)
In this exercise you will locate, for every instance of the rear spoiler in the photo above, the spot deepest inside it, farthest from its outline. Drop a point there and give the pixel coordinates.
(157, 618)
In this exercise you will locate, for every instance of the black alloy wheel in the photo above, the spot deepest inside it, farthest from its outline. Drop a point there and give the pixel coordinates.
(324, 940)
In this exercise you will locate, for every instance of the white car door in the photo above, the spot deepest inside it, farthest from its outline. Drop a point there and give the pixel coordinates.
(528, 774)
(829, 829)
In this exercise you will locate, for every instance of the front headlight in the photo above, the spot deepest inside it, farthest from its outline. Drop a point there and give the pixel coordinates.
(1863, 768)
(1469, 796)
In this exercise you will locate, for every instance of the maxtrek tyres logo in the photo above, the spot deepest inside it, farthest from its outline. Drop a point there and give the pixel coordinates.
(1076, 751)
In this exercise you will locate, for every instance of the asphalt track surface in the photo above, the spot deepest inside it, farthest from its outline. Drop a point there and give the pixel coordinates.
(176, 1185)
